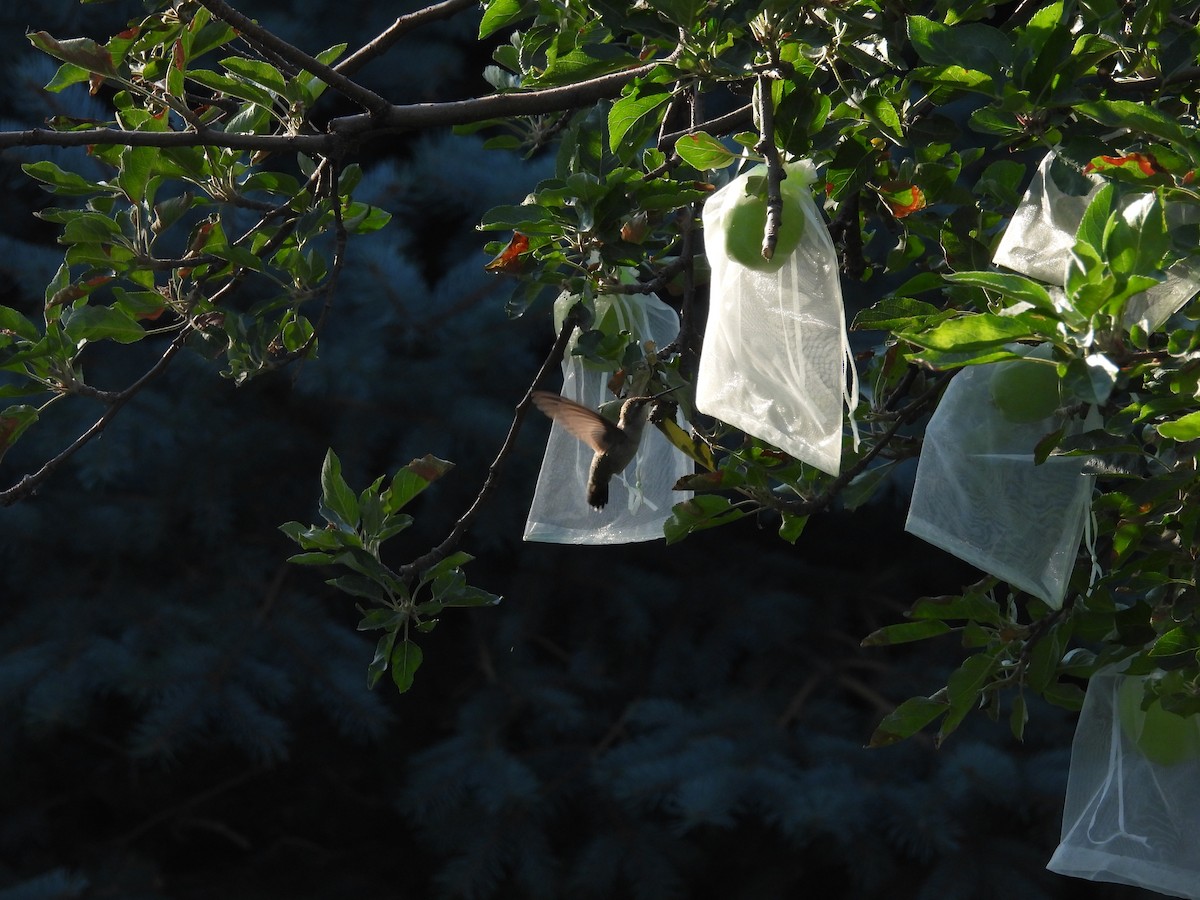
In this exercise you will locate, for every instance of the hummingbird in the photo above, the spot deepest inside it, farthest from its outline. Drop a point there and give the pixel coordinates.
(616, 444)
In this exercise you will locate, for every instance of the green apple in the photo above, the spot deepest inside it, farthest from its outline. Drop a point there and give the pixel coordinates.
(747, 223)
(1025, 390)
(1164, 737)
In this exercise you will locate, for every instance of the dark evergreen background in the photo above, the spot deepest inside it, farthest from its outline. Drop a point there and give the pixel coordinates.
(185, 716)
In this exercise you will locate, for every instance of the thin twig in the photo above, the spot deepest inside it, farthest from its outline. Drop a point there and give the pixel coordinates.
(30, 483)
(385, 40)
(653, 286)
(808, 507)
(446, 547)
(339, 258)
(731, 121)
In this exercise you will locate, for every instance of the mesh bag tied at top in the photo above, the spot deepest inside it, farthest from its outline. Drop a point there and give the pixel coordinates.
(775, 348)
(641, 497)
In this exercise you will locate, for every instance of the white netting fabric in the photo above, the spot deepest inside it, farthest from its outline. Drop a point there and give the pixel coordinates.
(979, 495)
(1130, 818)
(775, 346)
(640, 497)
(1039, 238)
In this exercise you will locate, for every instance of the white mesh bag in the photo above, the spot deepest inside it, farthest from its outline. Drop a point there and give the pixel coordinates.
(1039, 238)
(1132, 812)
(775, 348)
(640, 498)
(979, 495)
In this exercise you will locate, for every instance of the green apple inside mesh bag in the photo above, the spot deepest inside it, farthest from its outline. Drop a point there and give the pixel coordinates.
(774, 361)
(978, 493)
(1132, 811)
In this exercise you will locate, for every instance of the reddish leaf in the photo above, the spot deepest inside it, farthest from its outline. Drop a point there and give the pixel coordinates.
(7, 427)
(634, 228)
(1134, 163)
(509, 259)
(429, 467)
(902, 198)
(73, 292)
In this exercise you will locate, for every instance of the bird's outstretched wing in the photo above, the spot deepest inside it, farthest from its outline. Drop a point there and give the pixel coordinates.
(584, 423)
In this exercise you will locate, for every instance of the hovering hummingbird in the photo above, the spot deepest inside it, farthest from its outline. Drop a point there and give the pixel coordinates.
(616, 444)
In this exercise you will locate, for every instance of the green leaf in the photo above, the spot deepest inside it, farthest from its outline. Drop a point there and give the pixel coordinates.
(257, 72)
(13, 422)
(406, 659)
(964, 688)
(905, 632)
(358, 586)
(383, 653)
(101, 323)
(61, 181)
(1016, 288)
(977, 607)
(975, 46)
(528, 219)
(628, 111)
(315, 558)
(336, 495)
(233, 87)
(791, 527)
(1044, 658)
(899, 314)
(1127, 114)
(82, 52)
(701, 512)
(972, 332)
(906, 720)
(67, 75)
(865, 484)
(881, 113)
(703, 152)
(137, 165)
(414, 478)
(500, 13)
(1019, 717)
(1186, 428)
(1177, 640)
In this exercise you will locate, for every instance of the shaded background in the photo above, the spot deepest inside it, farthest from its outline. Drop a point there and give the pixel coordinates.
(183, 715)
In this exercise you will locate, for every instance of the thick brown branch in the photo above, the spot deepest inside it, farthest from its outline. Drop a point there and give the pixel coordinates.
(358, 128)
(402, 26)
(309, 144)
(364, 97)
(496, 106)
